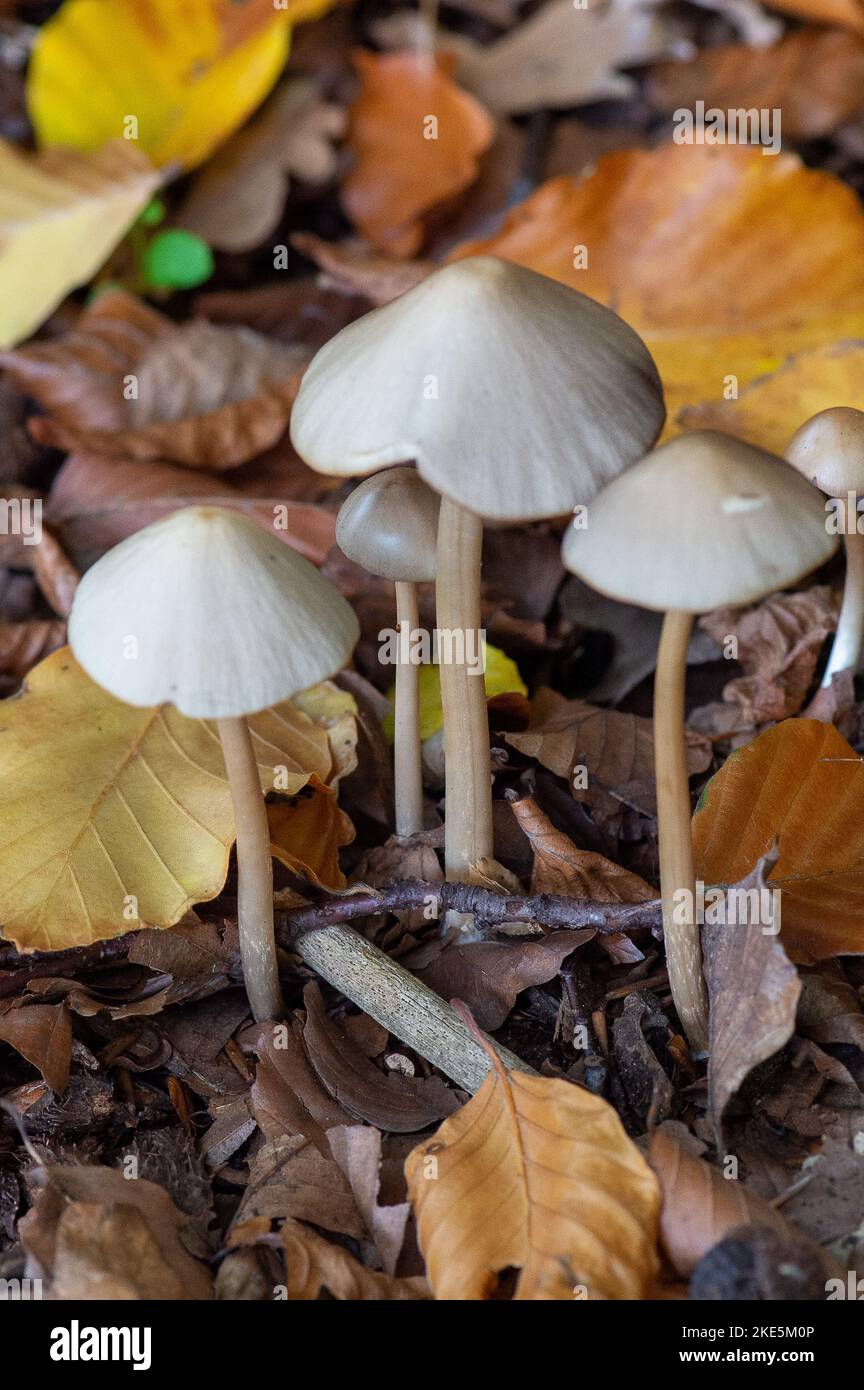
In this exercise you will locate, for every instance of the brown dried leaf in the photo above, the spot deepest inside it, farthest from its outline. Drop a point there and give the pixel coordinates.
(700, 1206)
(357, 1150)
(815, 76)
(289, 1177)
(287, 1095)
(400, 1104)
(379, 279)
(23, 645)
(829, 1009)
(314, 1264)
(238, 197)
(42, 1034)
(753, 991)
(617, 750)
(96, 1234)
(535, 1175)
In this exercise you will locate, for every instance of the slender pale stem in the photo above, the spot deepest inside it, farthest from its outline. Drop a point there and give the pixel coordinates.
(677, 881)
(407, 772)
(254, 872)
(846, 649)
(467, 766)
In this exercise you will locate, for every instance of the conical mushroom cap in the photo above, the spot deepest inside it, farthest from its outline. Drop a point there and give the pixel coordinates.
(389, 525)
(703, 521)
(829, 450)
(206, 611)
(515, 395)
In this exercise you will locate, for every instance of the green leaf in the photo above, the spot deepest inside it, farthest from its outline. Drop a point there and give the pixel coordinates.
(176, 260)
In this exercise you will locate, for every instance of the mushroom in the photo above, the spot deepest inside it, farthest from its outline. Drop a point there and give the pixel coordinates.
(206, 611)
(517, 398)
(701, 522)
(829, 450)
(388, 525)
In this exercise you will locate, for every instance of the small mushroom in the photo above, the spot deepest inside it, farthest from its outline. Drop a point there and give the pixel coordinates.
(701, 522)
(829, 450)
(206, 611)
(517, 398)
(388, 525)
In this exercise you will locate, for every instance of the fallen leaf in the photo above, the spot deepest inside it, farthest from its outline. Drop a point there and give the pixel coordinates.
(22, 645)
(490, 975)
(753, 990)
(814, 76)
(313, 1264)
(648, 1089)
(500, 677)
(43, 1035)
(379, 279)
(357, 1150)
(298, 311)
(536, 1175)
(97, 501)
(288, 1096)
(829, 1010)
(289, 1177)
(112, 816)
(127, 382)
(61, 214)
(700, 1205)
(764, 298)
(769, 409)
(399, 1104)
(799, 785)
(559, 867)
(237, 199)
(848, 13)
(97, 1234)
(777, 642)
(401, 174)
(561, 56)
(616, 751)
(190, 77)
(307, 833)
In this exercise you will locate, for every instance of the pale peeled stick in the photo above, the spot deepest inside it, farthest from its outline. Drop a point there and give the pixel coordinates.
(829, 450)
(224, 619)
(703, 521)
(516, 396)
(389, 525)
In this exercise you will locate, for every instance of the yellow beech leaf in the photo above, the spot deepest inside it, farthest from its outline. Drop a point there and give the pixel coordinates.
(501, 677)
(770, 409)
(537, 1175)
(799, 785)
(61, 215)
(307, 833)
(113, 817)
(176, 77)
(751, 283)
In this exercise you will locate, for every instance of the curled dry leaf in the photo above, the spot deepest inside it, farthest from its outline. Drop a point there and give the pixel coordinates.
(536, 1175)
(401, 174)
(815, 76)
(42, 1034)
(136, 823)
(313, 1264)
(22, 645)
(190, 76)
(561, 56)
(773, 291)
(778, 642)
(753, 990)
(96, 1234)
(96, 501)
(287, 1095)
(64, 213)
(307, 833)
(378, 278)
(615, 750)
(848, 13)
(127, 382)
(700, 1205)
(238, 198)
(800, 786)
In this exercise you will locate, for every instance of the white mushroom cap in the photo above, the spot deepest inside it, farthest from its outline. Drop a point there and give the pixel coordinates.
(703, 521)
(829, 450)
(207, 611)
(389, 525)
(516, 396)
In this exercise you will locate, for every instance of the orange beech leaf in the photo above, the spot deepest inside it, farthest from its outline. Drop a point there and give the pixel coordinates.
(537, 1175)
(307, 833)
(404, 168)
(751, 283)
(801, 786)
(848, 13)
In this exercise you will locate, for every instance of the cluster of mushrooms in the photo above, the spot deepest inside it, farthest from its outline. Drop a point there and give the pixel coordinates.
(487, 394)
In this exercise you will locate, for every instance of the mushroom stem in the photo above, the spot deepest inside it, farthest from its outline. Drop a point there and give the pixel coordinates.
(846, 650)
(467, 765)
(254, 872)
(407, 772)
(680, 929)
